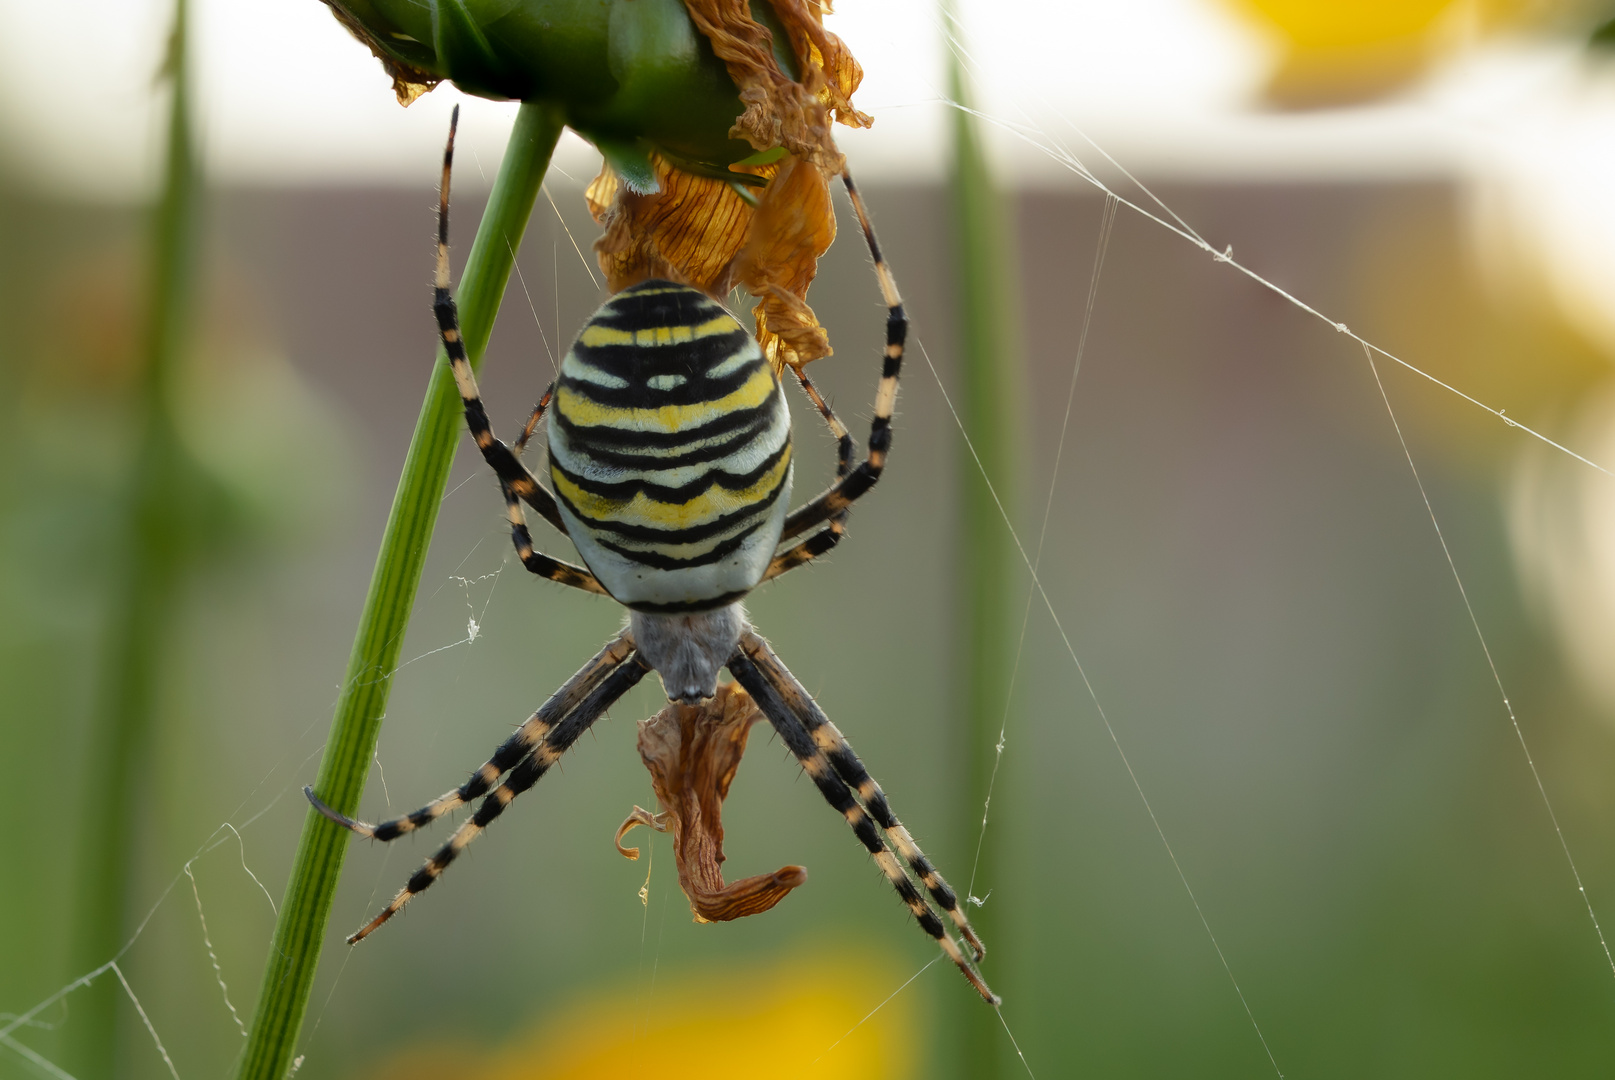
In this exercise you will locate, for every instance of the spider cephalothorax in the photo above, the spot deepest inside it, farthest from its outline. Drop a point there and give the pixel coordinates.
(670, 453)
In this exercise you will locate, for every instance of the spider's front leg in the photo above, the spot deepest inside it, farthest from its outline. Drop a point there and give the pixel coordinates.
(518, 483)
(838, 774)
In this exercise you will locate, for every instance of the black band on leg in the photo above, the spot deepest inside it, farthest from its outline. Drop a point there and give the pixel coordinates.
(571, 694)
(840, 796)
(831, 505)
(526, 773)
(829, 742)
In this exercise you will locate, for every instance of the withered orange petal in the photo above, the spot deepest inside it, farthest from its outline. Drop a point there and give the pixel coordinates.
(794, 226)
(779, 110)
(691, 230)
(692, 752)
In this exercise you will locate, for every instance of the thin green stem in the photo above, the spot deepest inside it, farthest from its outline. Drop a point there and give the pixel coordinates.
(989, 354)
(300, 931)
(151, 549)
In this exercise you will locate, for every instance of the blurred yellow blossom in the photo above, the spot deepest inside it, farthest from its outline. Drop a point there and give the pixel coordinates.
(797, 1020)
(1338, 53)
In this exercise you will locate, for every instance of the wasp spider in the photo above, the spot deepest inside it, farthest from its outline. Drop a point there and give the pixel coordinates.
(670, 455)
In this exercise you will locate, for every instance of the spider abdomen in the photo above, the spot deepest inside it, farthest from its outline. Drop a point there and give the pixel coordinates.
(670, 450)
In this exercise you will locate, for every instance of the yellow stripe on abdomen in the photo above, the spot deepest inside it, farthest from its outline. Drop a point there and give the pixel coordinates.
(582, 411)
(597, 335)
(715, 502)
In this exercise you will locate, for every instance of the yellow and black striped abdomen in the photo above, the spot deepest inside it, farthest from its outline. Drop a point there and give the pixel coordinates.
(670, 450)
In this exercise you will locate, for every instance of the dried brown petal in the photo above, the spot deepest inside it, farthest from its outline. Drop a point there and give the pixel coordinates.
(794, 225)
(698, 230)
(689, 231)
(779, 110)
(816, 47)
(692, 752)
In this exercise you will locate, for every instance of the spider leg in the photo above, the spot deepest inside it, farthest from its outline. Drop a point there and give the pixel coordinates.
(527, 772)
(830, 536)
(838, 430)
(510, 752)
(512, 473)
(536, 562)
(533, 419)
(809, 549)
(847, 765)
(836, 792)
(831, 506)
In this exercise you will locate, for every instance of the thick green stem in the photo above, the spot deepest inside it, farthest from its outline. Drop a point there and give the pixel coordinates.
(301, 929)
(989, 355)
(153, 546)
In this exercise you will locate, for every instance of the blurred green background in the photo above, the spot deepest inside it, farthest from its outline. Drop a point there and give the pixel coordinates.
(1236, 548)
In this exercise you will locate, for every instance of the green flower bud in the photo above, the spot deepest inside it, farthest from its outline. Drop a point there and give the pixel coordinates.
(632, 76)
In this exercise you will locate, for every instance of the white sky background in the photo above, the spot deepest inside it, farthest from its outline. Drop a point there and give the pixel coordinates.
(287, 97)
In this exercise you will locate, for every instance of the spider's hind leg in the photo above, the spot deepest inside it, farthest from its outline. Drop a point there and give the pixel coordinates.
(830, 742)
(827, 759)
(533, 731)
(528, 771)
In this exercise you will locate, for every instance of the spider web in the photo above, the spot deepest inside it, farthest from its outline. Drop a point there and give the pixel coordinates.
(468, 587)
(1161, 214)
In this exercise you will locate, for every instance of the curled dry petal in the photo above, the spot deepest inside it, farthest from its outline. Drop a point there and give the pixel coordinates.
(780, 110)
(793, 225)
(701, 231)
(817, 48)
(689, 231)
(692, 752)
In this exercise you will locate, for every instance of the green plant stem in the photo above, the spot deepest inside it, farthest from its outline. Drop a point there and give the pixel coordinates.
(153, 546)
(989, 355)
(301, 928)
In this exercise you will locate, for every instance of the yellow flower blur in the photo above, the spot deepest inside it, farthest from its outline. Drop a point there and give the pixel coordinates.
(782, 1023)
(1339, 52)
